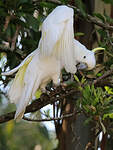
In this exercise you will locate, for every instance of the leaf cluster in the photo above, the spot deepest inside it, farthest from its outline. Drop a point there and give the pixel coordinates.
(97, 101)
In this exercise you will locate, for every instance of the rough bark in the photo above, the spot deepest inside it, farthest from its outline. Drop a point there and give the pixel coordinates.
(73, 134)
(64, 131)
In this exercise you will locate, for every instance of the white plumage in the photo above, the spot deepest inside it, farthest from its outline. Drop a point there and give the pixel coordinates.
(34, 74)
(57, 37)
(21, 64)
(57, 49)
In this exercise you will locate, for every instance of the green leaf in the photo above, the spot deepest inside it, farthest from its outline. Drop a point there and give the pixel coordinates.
(87, 94)
(99, 74)
(109, 90)
(102, 33)
(108, 1)
(32, 22)
(98, 15)
(108, 18)
(79, 34)
(76, 78)
(108, 115)
(108, 109)
(81, 6)
(20, 2)
(2, 12)
(83, 80)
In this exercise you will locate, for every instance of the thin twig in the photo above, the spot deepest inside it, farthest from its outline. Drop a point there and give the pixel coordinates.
(8, 50)
(110, 72)
(88, 17)
(54, 1)
(7, 20)
(15, 37)
(51, 119)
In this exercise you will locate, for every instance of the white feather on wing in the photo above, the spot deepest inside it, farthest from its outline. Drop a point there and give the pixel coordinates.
(10, 72)
(57, 37)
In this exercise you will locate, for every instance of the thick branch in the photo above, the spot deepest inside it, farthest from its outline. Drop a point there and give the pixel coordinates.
(51, 98)
(92, 19)
(89, 18)
(40, 103)
(34, 106)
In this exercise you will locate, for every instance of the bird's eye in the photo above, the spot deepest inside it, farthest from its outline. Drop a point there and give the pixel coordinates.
(84, 57)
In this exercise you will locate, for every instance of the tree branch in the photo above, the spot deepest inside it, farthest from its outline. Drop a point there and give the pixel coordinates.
(89, 18)
(41, 102)
(54, 1)
(34, 106)
(13, 42)
(51, 98)
(7, 50)
(92, 19)
(108, 73)
(51, 119)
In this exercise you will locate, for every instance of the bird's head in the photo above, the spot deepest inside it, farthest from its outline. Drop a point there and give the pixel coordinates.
(87, 60)
(84, 57)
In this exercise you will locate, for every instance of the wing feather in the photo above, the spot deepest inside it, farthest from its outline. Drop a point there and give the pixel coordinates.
(57, 37)
(53, 27)
(30, 78)
(16, 88)
(20, 65)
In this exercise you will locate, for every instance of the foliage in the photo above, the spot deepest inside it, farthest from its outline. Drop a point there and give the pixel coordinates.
(108, 1)
(24, 135)
(97, 102)
(18, 17)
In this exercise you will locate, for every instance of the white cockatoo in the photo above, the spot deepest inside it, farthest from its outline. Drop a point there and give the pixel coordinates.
(35, 72)
(57, 49)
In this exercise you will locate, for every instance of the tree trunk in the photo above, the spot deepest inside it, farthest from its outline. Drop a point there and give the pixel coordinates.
(73, 134)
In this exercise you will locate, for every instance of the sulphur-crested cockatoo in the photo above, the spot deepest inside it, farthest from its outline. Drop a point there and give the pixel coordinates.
(57, 49)
(35, 72)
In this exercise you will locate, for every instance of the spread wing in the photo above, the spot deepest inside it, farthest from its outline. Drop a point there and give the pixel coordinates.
(53, 28)
(57, 37)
